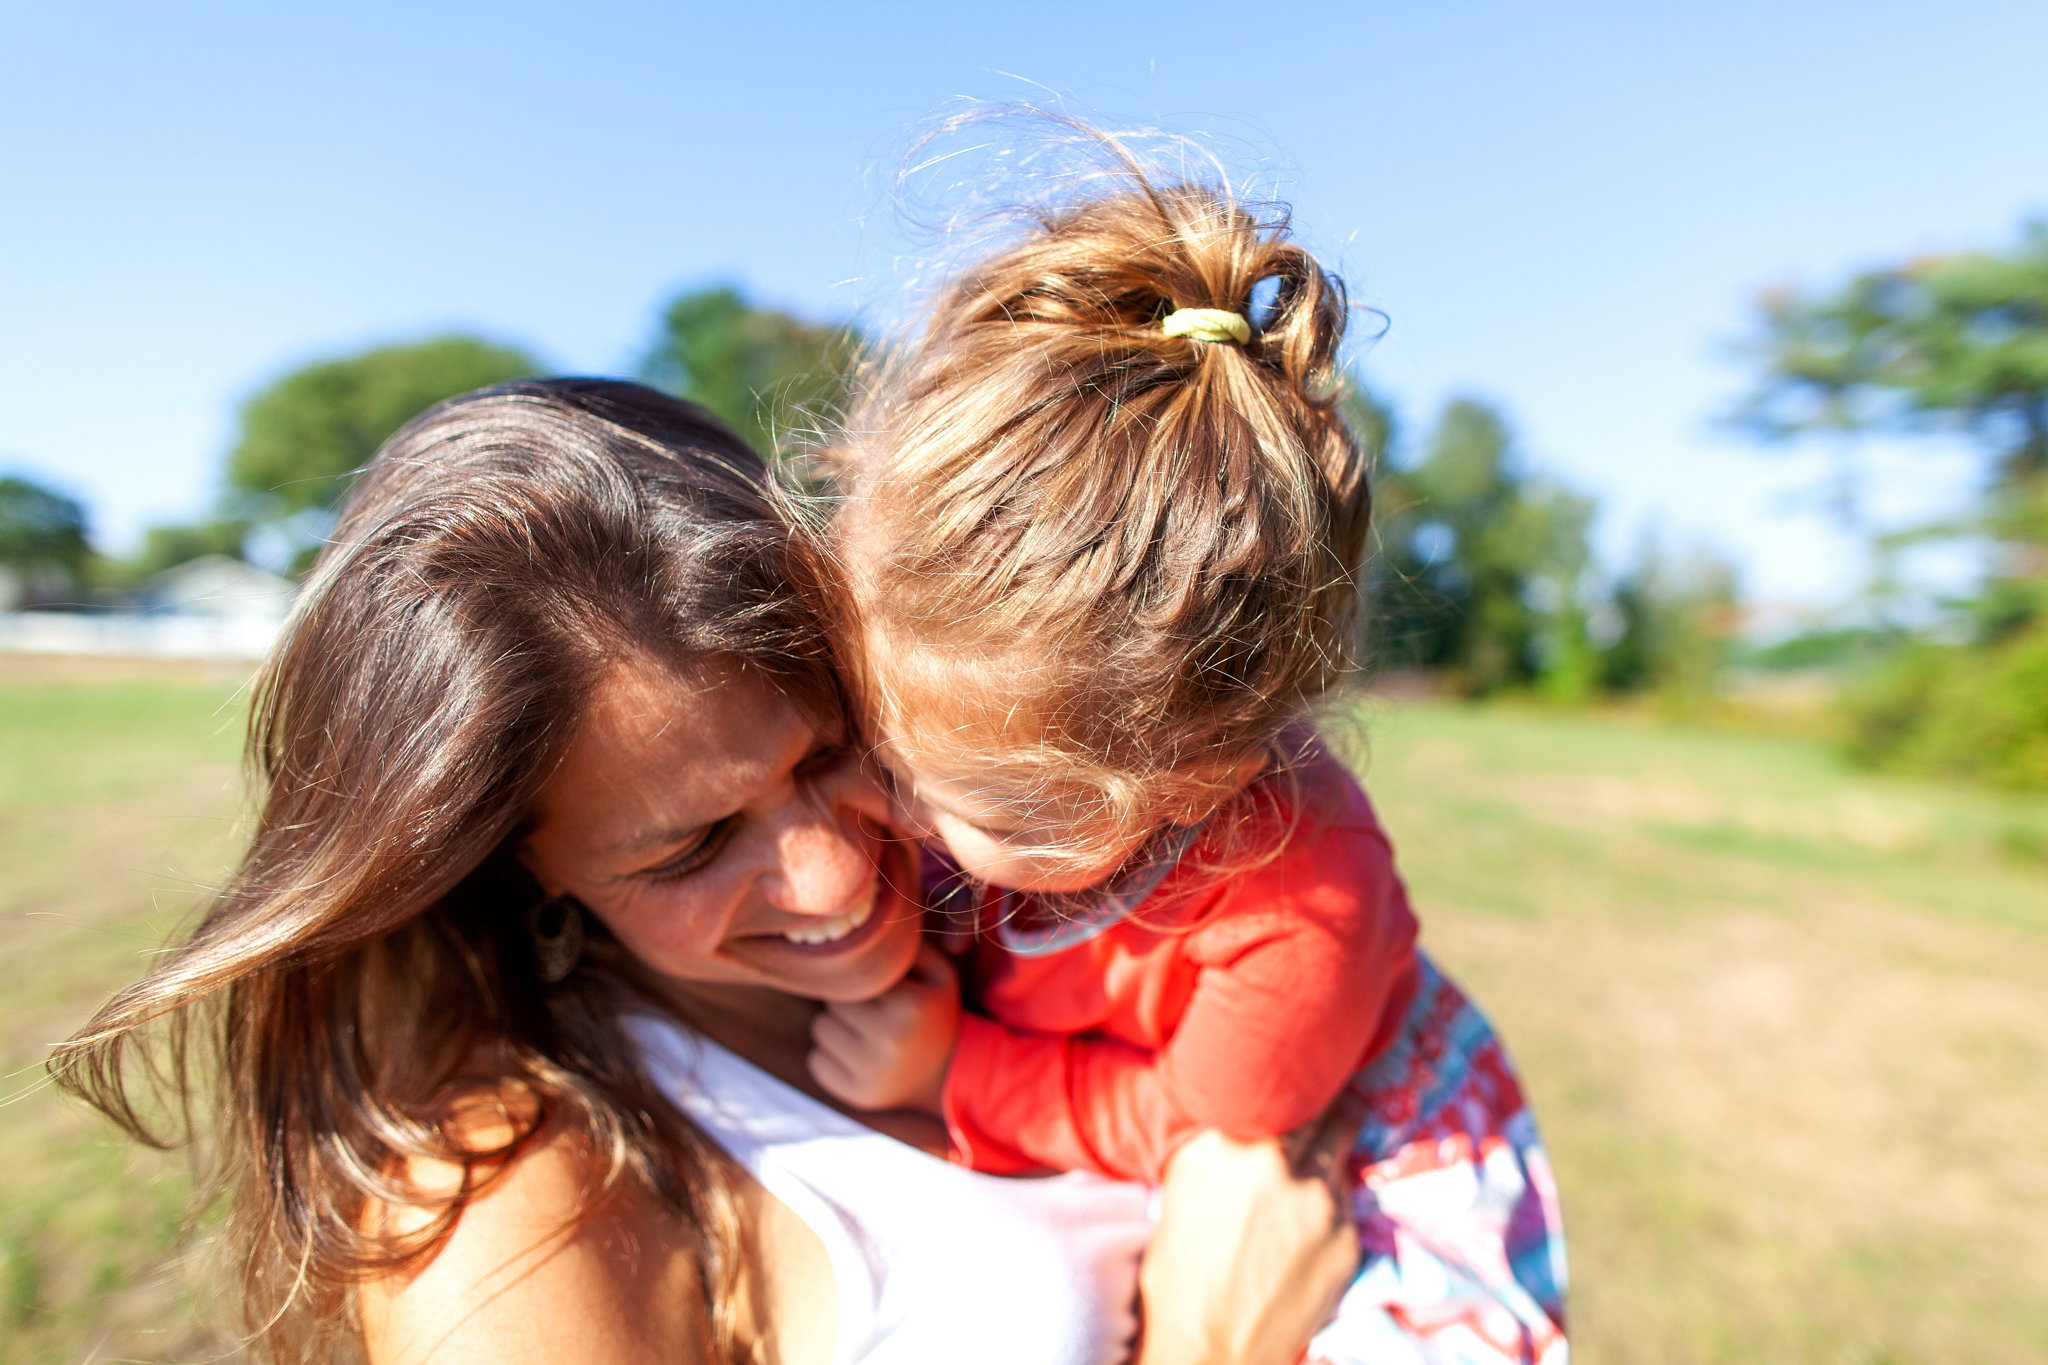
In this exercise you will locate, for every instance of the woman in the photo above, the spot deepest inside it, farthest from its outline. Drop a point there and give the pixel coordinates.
(552, 764)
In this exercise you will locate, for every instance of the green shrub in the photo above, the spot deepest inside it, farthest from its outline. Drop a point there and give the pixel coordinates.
(1964, 711)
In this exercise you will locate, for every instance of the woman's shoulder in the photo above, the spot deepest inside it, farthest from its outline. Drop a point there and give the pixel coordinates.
(544, 1258)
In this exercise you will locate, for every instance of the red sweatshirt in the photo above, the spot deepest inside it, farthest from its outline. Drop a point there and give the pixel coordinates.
(1242, 1003)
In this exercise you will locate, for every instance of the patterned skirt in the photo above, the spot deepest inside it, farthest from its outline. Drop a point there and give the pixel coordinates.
(1462, 1244)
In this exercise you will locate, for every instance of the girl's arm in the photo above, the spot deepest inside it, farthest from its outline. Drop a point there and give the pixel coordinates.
(1308, 958)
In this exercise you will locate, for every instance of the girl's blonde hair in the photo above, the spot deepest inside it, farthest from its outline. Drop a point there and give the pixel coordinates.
(1142, 548)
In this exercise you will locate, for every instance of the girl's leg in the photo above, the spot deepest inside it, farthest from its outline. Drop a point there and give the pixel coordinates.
(1457, 1213)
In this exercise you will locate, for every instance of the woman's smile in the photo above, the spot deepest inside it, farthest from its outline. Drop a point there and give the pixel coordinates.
(721, 839)
(835, 929)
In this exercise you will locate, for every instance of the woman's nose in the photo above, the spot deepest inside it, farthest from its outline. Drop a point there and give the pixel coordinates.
(821, 861)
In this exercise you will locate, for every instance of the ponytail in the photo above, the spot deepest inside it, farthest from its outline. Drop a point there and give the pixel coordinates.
(1101, 470)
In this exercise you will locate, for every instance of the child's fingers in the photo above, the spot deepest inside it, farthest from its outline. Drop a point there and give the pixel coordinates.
(864, 1017)
(838, 1036)
(831, 1073)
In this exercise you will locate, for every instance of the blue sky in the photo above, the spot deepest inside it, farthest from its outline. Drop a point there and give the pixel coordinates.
(1563, 207)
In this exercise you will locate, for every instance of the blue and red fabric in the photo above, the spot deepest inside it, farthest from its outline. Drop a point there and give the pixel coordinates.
(1458, 1222)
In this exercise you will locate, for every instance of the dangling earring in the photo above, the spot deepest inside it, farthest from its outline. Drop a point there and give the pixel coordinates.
(556, 926)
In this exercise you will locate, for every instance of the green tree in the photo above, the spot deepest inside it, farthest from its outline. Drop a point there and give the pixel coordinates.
(769, 375)
(1373, 425)
(1960, 343)
(1959, 711)
(39, 527)
(1955, 342)
(1481, 566)
(43, 549)
(303, 435)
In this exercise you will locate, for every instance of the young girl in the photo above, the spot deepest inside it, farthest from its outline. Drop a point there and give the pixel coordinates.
(1103, 526)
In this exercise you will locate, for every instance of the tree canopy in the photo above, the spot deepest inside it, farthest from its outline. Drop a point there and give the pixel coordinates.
(40, 529)
(1480, 564)
(166, 547)
(766, 373)
(304, 434)
(1958, 341)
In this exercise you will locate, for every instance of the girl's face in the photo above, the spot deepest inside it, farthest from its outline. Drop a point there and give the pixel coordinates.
(998, 838)
(726, 843)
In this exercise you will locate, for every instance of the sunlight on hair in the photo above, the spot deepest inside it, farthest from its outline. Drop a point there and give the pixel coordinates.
(1110, 561)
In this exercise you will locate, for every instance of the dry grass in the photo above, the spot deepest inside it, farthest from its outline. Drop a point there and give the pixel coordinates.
(1786, 1027)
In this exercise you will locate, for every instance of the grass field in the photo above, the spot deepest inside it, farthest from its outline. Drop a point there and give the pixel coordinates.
(118, 798)
(1786, 1027)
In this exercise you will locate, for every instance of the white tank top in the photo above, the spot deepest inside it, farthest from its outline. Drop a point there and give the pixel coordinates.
(935, 1263)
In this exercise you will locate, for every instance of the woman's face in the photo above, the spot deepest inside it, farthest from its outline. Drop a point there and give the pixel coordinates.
(723, 841)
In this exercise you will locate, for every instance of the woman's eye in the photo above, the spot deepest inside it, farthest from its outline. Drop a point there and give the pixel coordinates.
(822, 759)
(697, 855)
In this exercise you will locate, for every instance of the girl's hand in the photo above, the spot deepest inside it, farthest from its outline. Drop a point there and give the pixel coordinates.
(891, 1052)
(1255, 1246)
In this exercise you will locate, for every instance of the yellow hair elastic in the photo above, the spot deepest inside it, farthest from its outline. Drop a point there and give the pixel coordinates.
(1207, 324)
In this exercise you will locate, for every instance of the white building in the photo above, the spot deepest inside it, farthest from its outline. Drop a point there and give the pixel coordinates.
(212, 607)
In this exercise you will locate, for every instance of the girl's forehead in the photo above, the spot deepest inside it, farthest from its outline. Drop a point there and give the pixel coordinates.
(971, 796)
(982, 724)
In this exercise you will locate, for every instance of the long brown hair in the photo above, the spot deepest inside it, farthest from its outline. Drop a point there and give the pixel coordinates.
(372, 953)
(1146, 543)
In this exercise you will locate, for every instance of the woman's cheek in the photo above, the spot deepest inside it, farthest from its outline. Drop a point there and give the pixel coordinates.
(665, 924)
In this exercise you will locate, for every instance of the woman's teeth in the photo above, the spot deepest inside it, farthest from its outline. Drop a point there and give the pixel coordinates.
(838, 927)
